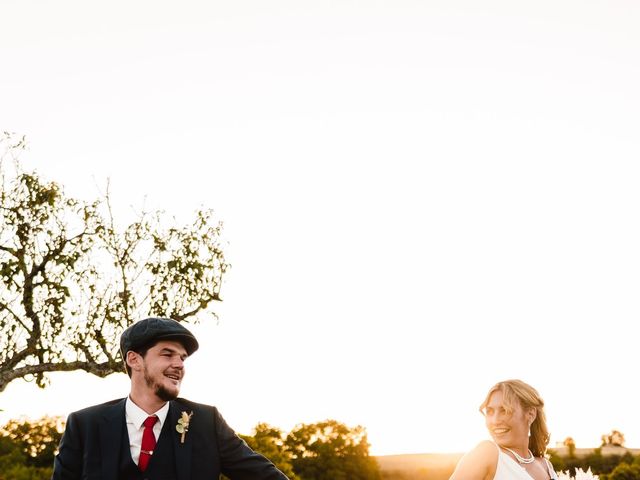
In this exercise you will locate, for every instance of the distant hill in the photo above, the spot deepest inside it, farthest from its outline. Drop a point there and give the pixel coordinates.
(440, 466)
(418, 466)
(606, 450)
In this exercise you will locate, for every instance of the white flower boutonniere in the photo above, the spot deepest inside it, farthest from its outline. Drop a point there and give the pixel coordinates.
(183, 425)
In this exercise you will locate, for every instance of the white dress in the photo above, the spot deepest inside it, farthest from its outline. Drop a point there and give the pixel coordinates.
(509, 469)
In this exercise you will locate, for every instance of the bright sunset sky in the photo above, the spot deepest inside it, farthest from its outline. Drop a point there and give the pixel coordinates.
(420, 198)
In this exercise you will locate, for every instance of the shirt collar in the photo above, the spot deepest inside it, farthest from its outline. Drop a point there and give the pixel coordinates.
(137, 416)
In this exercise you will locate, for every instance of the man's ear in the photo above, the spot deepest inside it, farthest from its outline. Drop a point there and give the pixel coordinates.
(134, 360)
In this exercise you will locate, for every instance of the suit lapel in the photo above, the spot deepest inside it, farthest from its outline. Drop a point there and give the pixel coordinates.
(111, 426)
(182, 450)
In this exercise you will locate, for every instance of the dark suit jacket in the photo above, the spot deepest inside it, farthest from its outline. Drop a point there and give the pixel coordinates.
(91, 445)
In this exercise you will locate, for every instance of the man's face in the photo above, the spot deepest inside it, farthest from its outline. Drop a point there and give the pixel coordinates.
(163, 369)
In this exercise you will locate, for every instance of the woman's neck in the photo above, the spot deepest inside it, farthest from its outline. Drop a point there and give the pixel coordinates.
(520, 453)
(522, 450)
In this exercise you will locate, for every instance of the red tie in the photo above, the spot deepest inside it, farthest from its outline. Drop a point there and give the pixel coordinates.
(148, 443)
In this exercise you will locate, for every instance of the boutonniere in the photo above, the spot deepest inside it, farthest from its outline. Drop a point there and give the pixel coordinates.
(183, 425)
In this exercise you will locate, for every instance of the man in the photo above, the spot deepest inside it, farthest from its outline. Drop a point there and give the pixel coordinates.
(152, 434)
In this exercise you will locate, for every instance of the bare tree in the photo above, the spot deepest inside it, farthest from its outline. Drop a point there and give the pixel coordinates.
(71, 280)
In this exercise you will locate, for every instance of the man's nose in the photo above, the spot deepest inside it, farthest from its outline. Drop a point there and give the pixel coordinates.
(178, 362)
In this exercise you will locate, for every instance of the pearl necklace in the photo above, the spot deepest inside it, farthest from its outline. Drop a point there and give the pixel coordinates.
(522, 459)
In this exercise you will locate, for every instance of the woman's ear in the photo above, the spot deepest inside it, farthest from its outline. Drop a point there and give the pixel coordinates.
(532, 414)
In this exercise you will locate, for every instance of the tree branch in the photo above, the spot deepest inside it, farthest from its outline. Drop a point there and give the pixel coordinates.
(203, 305)
(16, 359)
(98, 369)
(9, 250)
(4, 306)
(55, 252)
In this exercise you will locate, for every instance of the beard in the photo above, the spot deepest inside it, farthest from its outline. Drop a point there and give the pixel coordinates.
(161, 392)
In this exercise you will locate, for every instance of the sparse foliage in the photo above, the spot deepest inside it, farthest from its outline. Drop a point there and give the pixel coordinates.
(624, 471)
(330, 450)
(615, 438)
(27, 448)
(269, 441)
(71, 279)
(37, 439)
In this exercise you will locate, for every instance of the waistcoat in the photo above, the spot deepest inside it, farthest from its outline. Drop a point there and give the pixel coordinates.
(162, 465)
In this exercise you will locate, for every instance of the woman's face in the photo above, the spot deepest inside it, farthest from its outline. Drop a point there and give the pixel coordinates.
(507, 429)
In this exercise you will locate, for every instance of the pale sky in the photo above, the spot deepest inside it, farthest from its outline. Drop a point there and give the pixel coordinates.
(420, 198)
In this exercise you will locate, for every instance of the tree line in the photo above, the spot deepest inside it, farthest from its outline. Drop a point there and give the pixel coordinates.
(625, 466)
(327, 450)
(610, 466)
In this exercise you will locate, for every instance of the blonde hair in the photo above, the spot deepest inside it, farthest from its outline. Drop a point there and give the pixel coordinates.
(528, 397)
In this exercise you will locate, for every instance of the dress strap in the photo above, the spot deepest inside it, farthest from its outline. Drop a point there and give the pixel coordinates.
(552, 472)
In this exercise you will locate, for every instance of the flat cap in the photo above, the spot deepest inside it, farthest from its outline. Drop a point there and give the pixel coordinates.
(151, 330)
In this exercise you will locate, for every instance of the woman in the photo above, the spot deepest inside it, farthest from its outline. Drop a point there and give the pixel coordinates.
(514, 416)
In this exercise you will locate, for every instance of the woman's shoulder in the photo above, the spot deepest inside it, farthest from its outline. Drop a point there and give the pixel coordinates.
(479, 463)
(487, 446)
(485, 450)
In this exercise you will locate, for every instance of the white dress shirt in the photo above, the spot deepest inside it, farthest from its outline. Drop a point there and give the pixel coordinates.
(135, 417)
